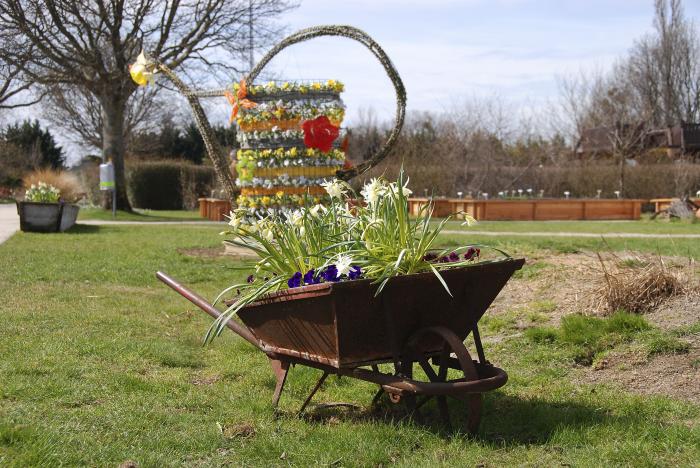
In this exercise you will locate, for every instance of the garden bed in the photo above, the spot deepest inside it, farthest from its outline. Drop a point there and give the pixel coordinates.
(533, 209)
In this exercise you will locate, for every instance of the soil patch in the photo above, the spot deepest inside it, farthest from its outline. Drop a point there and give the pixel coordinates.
(217, 252)
(569, 283)
(203, 252)
(672, 375)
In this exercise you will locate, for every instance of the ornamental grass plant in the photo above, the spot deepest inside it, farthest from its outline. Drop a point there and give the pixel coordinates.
(67, 184)
(372, 238)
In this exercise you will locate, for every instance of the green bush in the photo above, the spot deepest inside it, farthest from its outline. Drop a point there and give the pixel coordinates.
(168, 185)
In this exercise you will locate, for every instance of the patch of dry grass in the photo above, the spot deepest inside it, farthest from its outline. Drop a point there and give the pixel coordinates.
(640, 284)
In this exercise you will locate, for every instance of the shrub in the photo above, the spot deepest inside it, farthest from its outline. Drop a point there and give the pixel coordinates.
(168, 185)
(66, 183)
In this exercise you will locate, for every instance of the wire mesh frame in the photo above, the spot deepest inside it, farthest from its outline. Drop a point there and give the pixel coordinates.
(350, 32)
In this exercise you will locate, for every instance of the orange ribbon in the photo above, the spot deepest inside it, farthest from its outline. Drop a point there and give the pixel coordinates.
(239, 100)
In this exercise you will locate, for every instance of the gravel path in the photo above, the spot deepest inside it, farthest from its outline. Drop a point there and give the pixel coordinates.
(96, 222)
(9, 223)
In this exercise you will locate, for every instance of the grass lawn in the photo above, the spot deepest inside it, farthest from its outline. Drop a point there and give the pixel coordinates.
(674, 247)
(645, 225)
(139, 215)
(100, 363)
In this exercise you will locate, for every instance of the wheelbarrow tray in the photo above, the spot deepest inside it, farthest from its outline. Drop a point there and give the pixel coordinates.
(345, 325)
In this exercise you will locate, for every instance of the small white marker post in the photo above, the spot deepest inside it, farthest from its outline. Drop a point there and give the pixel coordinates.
(107, 183)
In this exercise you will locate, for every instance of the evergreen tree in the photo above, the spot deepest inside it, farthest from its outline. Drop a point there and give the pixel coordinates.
(38, 144)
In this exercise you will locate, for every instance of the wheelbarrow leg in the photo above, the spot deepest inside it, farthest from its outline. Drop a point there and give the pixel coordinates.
(281, 369)
(313, 392)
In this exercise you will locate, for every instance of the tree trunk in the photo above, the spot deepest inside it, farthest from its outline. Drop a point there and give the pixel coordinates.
(113, 147)
(621, 181)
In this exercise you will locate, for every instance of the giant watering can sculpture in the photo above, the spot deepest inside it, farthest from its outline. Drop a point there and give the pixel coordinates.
(143, 70)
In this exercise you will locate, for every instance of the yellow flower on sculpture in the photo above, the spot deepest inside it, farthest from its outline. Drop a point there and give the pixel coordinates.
(142, 70)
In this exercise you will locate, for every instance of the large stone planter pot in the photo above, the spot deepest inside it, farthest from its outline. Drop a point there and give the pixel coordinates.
(46, 217)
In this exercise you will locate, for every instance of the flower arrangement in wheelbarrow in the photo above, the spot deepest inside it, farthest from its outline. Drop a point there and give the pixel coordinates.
(375, 238)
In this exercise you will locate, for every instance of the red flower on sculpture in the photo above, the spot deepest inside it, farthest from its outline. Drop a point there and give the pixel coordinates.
(320, 133)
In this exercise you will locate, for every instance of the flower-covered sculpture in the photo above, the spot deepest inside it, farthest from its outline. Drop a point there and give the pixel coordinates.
(320, 133)
(288, 142)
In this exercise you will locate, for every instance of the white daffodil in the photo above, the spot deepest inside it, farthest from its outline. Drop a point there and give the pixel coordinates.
(394, 187)
(142, 70)
(317, 210)
(373, 190)
(296, 218)
(268, 234)
(235, 221)
(335, 188)
(469, 220)
(343, 265)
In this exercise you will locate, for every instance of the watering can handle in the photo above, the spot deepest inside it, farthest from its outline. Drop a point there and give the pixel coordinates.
(362, 37)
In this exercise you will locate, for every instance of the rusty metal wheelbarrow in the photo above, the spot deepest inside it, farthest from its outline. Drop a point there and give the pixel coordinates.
(343, 329)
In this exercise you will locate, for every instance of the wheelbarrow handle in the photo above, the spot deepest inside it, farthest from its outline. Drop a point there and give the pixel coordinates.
(203, 304)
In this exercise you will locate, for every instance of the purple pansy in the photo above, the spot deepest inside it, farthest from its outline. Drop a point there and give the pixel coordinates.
(472, 253)
(310, 277)
(429, 257)
(454, 257)
(330, 273)
(250, 278)
(355, 272)
(295, 280)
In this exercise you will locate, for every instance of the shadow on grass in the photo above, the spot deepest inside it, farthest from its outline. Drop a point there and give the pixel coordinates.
(506, 420)
(83, 229)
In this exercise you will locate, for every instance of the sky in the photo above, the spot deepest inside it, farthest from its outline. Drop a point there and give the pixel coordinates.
(449, 51)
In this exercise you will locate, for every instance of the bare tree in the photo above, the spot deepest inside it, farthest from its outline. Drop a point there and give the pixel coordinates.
(80, 113)
(14, 90)
(82, 48)
(664, 67)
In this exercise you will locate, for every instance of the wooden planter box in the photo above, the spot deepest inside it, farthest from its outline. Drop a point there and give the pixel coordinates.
(661, 204)
(46, 217)
(533, 209)
(344, 325)
(214, 209)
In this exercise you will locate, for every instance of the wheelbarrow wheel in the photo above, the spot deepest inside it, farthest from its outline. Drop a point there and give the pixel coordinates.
(436, 370)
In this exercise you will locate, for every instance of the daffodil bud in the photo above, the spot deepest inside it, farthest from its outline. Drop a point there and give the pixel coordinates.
(142, 70)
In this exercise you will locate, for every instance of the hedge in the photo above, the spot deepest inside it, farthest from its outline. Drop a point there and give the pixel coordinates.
(168, 185)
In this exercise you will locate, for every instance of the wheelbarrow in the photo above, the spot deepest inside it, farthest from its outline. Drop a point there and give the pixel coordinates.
(344, 329)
